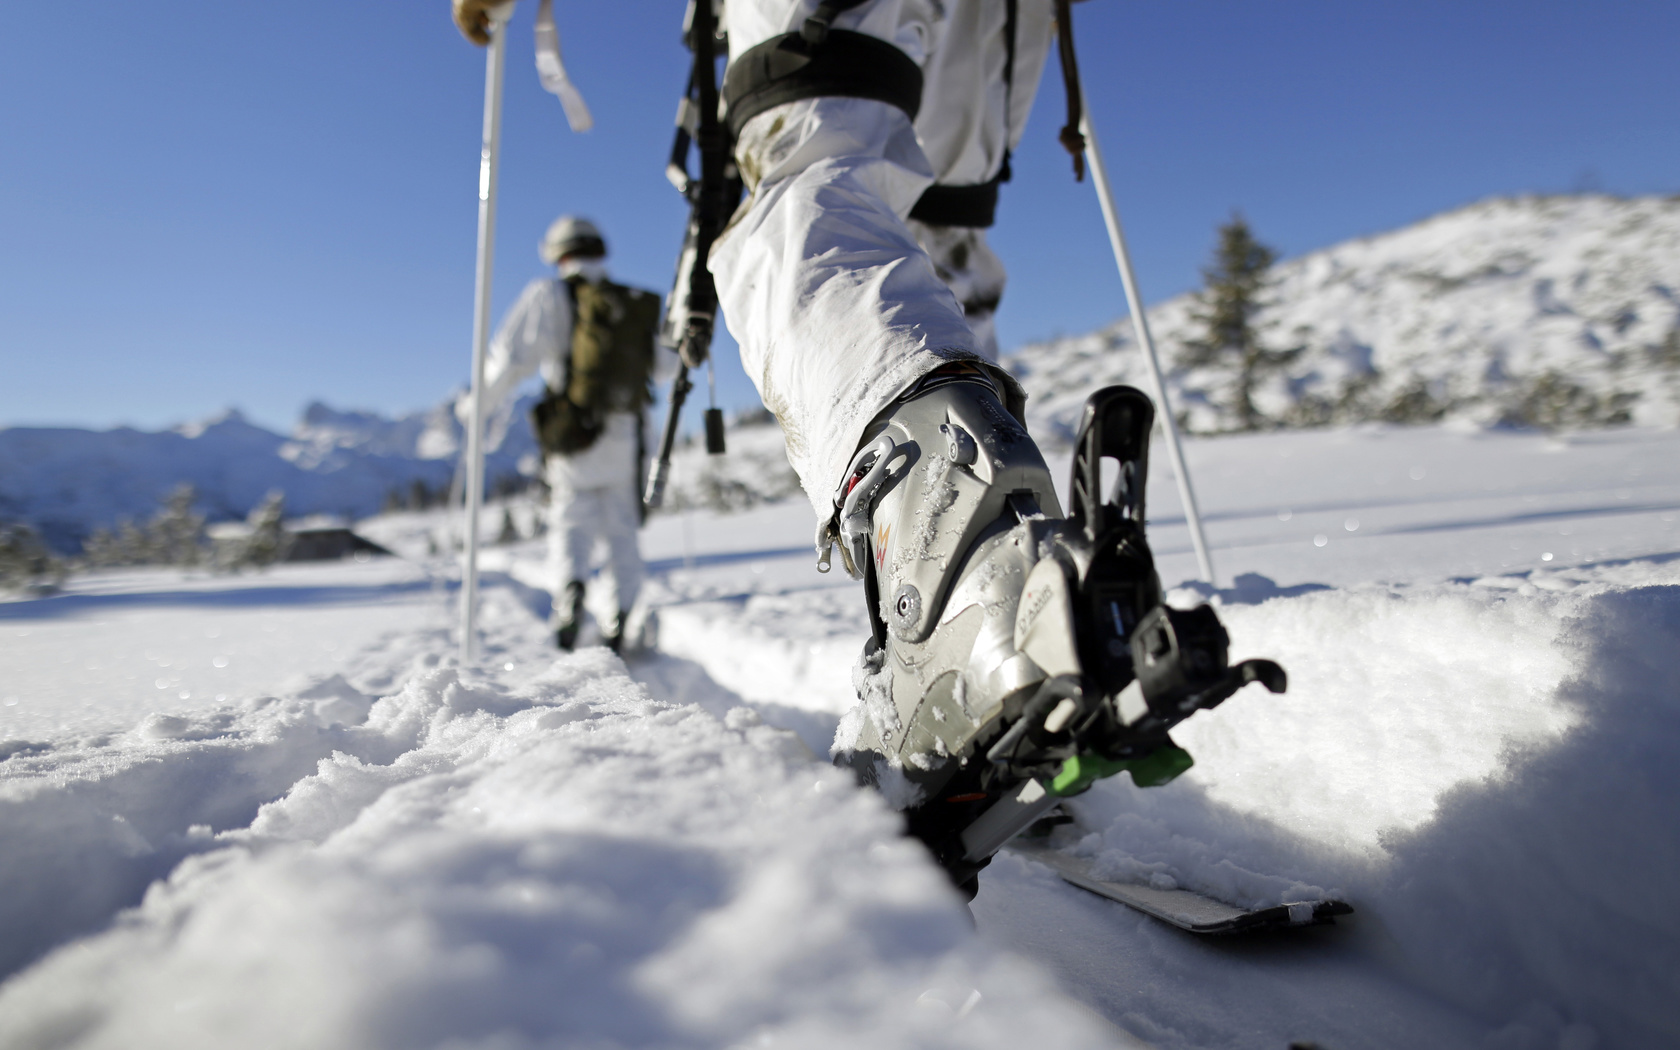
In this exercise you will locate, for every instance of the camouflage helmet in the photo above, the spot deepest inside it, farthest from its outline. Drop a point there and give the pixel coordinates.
(571, 235)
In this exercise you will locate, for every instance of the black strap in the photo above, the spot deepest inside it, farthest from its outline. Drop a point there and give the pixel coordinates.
(975, 205)
(570, 284)
(1011, 27)
(971, 206)
(842, 64)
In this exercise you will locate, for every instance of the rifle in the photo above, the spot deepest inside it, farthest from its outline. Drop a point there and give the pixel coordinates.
(691, 309)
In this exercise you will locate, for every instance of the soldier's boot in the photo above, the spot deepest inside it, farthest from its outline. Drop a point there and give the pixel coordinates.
(615, 634)
(568, 615)
(1016, 654)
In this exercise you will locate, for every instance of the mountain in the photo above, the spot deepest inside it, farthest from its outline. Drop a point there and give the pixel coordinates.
(67, 482)
(1557, 311)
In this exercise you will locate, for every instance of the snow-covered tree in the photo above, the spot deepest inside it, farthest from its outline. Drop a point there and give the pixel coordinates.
(174, 536)
(266, 542)
(25, 561)
(1226, 309)
(177, 533)
(510, 531)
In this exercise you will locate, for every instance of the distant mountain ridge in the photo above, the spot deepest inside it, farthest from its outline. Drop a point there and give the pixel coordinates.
(1548, 311)
(67, 482)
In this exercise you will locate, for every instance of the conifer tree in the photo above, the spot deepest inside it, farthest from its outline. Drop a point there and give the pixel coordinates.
(177, 532)
(269, 541)
(174, 536)
(1226, 309)
(25, 562)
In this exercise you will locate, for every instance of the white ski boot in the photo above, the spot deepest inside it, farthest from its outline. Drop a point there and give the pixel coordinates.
(1017, 655)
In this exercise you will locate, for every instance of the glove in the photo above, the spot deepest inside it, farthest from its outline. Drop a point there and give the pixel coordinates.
(473, 18)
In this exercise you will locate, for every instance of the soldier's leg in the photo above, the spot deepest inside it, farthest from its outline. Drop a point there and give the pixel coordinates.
(620, 513)
(974, 273)
(836, 308)
(1001, 633)
(571, 539)
(980, 85)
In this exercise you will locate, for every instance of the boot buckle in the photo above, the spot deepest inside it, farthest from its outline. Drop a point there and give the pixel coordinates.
(853, 502)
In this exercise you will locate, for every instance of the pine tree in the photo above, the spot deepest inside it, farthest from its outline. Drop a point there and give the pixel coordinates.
(1226, 310)
(177, 532)
(269, 540)
(25, 562)
(174, 536)
(510, 531)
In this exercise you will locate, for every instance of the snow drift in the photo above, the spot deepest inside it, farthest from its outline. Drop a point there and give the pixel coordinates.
(1485, 770)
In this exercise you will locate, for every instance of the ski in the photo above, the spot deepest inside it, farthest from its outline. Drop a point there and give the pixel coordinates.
(1186, 909)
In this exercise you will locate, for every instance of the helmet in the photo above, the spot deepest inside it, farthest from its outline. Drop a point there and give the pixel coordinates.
(571, 235)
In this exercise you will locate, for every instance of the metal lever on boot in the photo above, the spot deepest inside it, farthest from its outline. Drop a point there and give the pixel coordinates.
(856, 501)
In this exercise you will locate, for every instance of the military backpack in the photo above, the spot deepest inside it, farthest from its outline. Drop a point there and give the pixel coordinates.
(609, 368)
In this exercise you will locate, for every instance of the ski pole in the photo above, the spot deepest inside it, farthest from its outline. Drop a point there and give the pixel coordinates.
(488, 158)
(1140, 323)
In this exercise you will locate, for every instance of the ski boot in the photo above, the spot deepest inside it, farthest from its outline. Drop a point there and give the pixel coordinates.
(568, 614)
(614, 635)
(1016, 655)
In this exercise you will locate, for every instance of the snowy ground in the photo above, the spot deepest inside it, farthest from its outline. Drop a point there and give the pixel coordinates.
(320, 831)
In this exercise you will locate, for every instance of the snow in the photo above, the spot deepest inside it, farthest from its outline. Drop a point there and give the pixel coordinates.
(114, 645)
(273, 809)
(1477, 750)
(1508, 838)
(532, 853)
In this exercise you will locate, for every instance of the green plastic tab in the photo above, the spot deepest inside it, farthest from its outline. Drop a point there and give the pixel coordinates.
(1152, 770)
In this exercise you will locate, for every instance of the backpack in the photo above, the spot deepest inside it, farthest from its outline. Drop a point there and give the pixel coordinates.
(613, 329)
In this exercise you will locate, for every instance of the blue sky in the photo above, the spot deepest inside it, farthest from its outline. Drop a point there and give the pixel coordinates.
(206, 205)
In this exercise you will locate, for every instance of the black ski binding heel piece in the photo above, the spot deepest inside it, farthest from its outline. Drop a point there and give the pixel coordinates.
(1139, 667)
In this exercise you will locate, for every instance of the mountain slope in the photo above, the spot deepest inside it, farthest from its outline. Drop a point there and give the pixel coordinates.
(1544, 311)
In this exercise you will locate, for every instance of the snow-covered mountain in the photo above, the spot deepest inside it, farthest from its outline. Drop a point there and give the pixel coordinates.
(1547, 311)
(1554, 311)
(67, 482)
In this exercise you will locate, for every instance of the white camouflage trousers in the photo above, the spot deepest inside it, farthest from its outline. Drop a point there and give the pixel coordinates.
(831, 294)
(595, 498)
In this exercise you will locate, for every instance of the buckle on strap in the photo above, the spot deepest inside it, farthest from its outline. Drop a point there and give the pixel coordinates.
(849, 528)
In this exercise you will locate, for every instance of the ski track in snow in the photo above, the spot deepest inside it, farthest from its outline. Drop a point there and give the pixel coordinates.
(361, 844)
